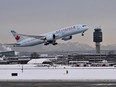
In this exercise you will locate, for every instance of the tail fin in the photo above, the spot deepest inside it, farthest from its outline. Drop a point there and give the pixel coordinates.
(18, 37)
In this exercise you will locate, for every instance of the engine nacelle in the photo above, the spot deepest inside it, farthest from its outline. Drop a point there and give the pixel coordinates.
(67, 38)
(50, 37)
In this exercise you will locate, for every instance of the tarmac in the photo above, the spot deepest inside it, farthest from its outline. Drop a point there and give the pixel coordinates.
(57, 84)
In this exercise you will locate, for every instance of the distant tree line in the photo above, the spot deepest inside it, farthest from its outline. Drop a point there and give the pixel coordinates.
(34, 55)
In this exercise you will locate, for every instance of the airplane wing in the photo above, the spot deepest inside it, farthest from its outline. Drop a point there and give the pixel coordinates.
(34, 36)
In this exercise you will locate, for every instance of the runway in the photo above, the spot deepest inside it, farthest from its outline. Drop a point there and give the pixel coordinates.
(57, 84)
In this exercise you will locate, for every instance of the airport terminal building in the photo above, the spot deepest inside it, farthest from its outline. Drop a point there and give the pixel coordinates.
(92, 57)
(7, 54)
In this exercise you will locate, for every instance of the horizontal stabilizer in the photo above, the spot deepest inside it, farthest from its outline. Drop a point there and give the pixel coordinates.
(13, 44)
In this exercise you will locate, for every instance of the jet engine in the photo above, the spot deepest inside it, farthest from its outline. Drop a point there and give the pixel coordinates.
(50, 39)
(67, 38)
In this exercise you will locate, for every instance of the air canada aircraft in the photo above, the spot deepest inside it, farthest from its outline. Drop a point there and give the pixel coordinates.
(48, 38)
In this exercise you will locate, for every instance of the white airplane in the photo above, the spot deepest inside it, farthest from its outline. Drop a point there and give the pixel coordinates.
(48, 38)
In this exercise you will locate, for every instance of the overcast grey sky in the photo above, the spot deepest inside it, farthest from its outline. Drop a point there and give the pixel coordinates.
(40, 16)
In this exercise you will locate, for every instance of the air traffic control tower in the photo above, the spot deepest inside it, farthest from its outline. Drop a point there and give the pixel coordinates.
(97, 38)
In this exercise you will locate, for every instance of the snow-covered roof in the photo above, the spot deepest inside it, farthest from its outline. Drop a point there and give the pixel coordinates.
(40, 61)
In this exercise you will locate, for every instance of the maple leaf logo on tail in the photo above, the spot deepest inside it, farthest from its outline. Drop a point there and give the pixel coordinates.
(17, 37)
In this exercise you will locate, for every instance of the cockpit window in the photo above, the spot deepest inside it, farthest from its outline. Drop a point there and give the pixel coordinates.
(83, 25)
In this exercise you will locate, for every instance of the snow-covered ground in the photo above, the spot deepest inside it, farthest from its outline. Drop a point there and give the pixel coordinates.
(56, 73)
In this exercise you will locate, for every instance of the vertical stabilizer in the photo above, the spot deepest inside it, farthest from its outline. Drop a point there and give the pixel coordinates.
(18, 37)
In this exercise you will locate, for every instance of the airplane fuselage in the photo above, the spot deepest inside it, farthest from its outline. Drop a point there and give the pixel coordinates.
(50, 37)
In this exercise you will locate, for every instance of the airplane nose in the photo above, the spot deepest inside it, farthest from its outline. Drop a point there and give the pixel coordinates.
(86, 28)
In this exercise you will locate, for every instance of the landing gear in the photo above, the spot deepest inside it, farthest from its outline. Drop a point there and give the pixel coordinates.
(83, 34)
(54, 43)
(46, 44)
